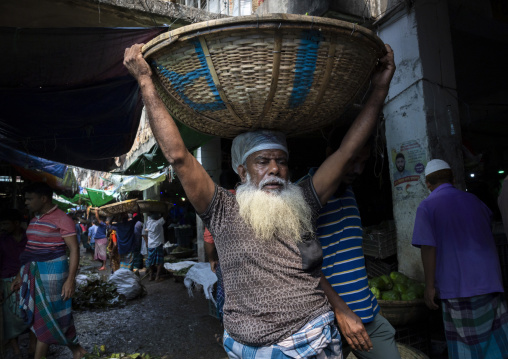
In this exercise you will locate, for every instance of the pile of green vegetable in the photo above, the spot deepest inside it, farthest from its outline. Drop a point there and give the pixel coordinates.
(396, 286)
(182, 272)
(99, 352)
(97, 293)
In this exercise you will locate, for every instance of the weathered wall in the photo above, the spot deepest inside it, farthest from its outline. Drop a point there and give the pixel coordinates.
(315, 7)
(104, 13)
(420, 106)
(209, 155)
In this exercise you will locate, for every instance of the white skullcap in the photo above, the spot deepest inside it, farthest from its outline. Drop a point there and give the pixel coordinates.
(436, 165)
(249, 142)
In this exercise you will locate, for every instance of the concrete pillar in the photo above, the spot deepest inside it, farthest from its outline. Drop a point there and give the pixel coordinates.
(421, 114)
(209, 155)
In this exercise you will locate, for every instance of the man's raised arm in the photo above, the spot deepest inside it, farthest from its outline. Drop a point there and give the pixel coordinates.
(196, 182)
(329, 174)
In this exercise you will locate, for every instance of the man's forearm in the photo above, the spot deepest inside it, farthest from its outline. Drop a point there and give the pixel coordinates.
(429, 264)
(162, 124)
(333, 297)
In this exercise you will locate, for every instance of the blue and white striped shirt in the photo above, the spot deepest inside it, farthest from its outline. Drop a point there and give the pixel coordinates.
(339, 229)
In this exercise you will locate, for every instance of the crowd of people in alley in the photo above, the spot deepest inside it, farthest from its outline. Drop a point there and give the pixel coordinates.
(290, 256)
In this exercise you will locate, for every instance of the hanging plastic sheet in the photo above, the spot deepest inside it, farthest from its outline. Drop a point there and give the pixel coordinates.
(27, 161)
(66, 96)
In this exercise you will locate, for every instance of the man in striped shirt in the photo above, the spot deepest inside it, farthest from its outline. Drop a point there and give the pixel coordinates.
(47, 277)
(344, 277)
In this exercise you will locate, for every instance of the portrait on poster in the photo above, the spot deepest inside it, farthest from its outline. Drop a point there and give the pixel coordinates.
(409, 160)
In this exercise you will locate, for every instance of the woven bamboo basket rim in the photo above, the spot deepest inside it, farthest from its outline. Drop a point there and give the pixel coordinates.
(267, 21)
(216, 85)
(400, 303)
(116, 204)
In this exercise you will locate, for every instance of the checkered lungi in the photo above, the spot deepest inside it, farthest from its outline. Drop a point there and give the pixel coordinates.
(476, 327)
(13, 324)
(127, 261)
(319, 339)
(41, 302)
(155, 256)
(100, 249)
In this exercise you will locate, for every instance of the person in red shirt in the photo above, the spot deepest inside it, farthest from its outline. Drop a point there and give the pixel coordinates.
(47, 277)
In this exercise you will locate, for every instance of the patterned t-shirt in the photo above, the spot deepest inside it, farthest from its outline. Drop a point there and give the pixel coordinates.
(46, 235)
(272, 288)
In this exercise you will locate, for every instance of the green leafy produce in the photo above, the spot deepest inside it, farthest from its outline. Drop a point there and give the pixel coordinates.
(390, 295)
(400, 287)
(377, 282)
(418, 289)
(409, 296)
(376, 292)
(97, 294)
(182, 272)
(397, 277)
(388, 281)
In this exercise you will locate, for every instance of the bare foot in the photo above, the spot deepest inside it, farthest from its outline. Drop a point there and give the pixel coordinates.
(102, 268)
(78, 351)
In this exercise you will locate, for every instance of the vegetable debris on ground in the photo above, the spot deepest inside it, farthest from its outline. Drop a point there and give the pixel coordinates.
(96, 293)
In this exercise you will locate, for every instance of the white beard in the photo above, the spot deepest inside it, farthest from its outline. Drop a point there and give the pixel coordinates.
(283, 214)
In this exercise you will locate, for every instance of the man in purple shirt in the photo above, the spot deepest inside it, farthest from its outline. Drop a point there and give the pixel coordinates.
(461, 266)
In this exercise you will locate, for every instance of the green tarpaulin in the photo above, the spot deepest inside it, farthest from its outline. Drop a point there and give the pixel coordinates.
(154, 161)
(98, 197)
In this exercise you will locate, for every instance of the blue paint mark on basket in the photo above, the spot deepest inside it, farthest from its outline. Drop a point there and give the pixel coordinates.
(305, 66)
(181, 81)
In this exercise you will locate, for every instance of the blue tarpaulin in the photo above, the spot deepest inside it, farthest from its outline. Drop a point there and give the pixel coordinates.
(24, 160)
(66, 96)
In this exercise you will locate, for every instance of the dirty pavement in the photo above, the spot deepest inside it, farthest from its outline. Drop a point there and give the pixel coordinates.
(165, 323)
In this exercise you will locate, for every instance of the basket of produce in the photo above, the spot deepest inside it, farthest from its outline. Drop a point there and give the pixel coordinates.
(286, 72)
(129, 206)
(405, 351)
(400, 298)
(147, 206)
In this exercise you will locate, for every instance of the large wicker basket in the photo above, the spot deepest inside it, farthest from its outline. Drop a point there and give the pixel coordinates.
(405, 351)
(285, 72)
(147, 206)
(129, 206)
(399, 312)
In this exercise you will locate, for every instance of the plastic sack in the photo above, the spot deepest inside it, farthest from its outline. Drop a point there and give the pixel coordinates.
(82, 279)
(178, 265)
(200, 273)
(127, 283)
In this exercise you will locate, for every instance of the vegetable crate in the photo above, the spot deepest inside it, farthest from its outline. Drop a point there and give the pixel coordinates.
(380, 241)
(416, 336)
(400, 313)
(377, 267)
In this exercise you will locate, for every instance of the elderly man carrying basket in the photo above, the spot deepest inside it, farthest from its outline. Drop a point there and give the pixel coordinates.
(265, 236)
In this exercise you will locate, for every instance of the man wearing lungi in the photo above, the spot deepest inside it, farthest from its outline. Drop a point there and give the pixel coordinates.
(125, 237)
(265, 235)
(47, 277)
(153, 234)
(461, 266)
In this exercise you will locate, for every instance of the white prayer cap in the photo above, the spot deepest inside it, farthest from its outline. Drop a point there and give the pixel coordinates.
(436, 165)
(249, 142)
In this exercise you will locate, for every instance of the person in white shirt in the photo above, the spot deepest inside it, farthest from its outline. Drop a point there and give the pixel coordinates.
(153, 234)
